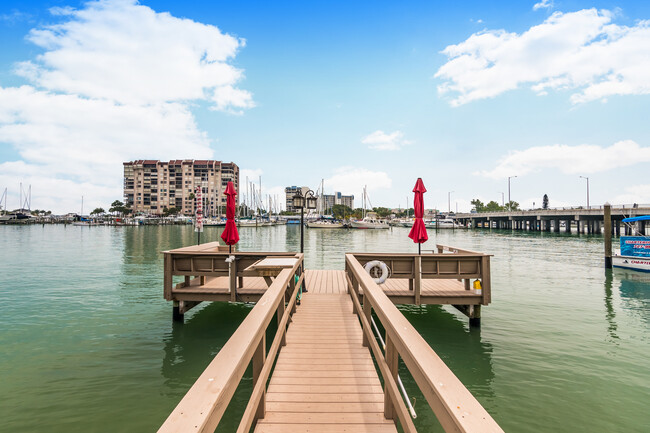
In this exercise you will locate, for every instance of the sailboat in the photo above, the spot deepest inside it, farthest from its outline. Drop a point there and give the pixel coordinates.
(370, 219)
(323, 222)
(83, 222)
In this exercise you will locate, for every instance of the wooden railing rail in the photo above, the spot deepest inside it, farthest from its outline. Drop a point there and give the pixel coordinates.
(202, 407)
(454, 406)
(462, 265)
(442, 248)
(208, 260)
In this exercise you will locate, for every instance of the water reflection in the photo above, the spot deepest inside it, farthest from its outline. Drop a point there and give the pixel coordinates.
(634, 288)
(610, 314)
(191, 346)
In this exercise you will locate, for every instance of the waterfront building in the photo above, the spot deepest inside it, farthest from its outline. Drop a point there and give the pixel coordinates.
(290, 191)
(327, 201)
(151, 186)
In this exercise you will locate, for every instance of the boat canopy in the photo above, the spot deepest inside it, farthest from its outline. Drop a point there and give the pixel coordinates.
(639, 218)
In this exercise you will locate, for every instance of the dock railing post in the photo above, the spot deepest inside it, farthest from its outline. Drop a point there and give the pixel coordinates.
(608, 235)
(258, 363)
(367, 311)
(392, 359)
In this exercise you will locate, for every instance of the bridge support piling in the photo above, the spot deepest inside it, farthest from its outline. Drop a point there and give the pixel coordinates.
(618, 228)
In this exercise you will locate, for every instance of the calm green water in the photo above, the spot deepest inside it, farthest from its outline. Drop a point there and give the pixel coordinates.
(87, 343)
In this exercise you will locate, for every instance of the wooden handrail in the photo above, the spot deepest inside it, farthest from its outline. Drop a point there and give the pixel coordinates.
(202, 407)
(441, 248)
(251, 412)
(393, 397)
(454, 406)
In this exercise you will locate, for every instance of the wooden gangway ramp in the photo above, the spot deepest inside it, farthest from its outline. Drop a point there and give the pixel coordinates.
(321, 371)
(324, 379)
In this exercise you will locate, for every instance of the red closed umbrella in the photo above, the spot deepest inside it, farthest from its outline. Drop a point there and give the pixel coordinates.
(230, 235)
(419, 232)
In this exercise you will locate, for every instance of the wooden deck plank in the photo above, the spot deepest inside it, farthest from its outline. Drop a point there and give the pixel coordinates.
(326, 418)
(325, 428)
(324, 379)
(279, 406)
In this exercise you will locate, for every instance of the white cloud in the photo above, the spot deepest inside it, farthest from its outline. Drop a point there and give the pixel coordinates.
(351, 180)
(379, 140)
(580, 159)
(126, 52)
(580, 50)
(544, 4)
(114, 83)
(639, 194)
(252, 174)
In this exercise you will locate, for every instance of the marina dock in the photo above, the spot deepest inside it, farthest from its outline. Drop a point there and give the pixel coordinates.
(322, 370)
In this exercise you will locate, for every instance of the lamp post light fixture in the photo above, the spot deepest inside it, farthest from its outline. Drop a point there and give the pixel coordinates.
(509, 200)
(300, 201)
(587, 179)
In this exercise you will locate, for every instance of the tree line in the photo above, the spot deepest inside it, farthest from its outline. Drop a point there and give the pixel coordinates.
(493, 206)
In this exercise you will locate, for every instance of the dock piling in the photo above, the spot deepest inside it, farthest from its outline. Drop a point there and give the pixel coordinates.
(608, 235)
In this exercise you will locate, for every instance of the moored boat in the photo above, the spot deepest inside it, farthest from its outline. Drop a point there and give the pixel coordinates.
(635, 250)
(370, 221)
(325, 224)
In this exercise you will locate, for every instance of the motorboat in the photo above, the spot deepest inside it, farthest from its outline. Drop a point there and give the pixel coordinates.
(214, 222)
(446, 223)
(370, 221)
(325, 224)
(634, 251)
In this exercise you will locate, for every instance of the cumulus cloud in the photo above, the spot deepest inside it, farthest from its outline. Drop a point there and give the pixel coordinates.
(351, 180)
(379, 140)
(583, 51)
(126, 52)
(115, 82)
(544, 4)
(639, 194)
(580, 159)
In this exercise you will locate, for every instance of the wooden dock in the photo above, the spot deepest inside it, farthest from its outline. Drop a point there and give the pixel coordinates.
(322, 370)
(324, 379)
(443, 278)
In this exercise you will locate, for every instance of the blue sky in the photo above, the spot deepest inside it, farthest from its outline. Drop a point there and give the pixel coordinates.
(355, 93)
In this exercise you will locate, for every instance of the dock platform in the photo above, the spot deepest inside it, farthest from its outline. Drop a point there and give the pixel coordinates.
(322, 370)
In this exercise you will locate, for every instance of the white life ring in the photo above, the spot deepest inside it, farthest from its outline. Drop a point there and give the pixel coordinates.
(377, 264)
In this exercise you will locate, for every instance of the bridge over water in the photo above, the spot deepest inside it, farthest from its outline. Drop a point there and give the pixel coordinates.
(580, 220)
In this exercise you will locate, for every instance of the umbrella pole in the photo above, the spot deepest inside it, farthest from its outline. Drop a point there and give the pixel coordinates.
(419, 251)
(199, 238)
(229, 249)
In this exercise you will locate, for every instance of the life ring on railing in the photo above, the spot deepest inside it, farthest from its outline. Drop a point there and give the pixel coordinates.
(372, 266)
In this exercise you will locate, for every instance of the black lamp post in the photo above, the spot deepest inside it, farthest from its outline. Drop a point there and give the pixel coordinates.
(300, 201)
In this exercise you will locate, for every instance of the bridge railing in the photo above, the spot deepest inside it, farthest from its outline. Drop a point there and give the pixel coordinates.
(462, 265)
(202, 407)
(455, 407)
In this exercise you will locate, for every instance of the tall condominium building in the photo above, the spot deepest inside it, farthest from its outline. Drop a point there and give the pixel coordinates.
(152, 186)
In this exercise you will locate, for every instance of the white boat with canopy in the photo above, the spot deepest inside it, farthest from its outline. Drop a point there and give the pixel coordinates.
(635, 250)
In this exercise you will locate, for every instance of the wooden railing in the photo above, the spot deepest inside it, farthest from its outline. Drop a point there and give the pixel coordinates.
(202, 407)
(454, 406)
(209, 260)
(460, 265)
